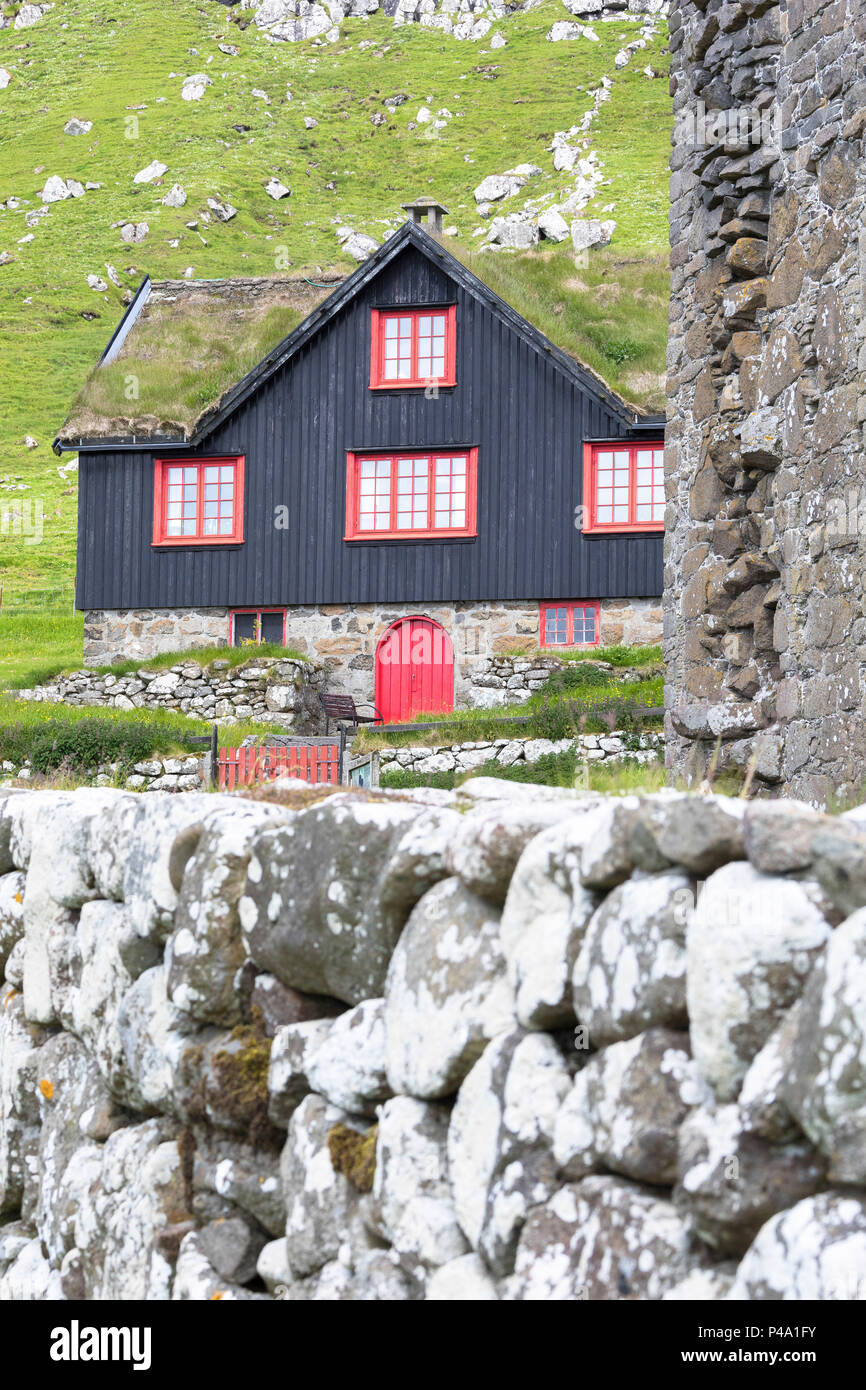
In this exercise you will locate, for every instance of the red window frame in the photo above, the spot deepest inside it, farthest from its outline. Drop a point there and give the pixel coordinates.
(161, 497)
(569, 605)
(258, 612)
(591, 523)
(379, 318)
(354, 460)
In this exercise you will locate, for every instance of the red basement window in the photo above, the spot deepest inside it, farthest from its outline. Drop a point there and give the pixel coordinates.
(413, 347)
(623, 487)
(198, 501)
(258, 625)
(410, 495)
(571, 624)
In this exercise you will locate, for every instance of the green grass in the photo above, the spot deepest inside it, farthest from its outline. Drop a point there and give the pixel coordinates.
(611, 314)
(34, 646)
(55, 736)
(569, 703)
(96, 59)
(182, 364)
(554, 770)
(26, 636)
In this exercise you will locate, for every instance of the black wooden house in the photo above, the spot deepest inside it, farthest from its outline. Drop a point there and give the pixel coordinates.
(412, 481)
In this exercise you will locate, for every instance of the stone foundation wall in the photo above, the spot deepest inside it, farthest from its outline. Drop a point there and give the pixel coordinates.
(765, 550)
(344, 637)
(234, 1065)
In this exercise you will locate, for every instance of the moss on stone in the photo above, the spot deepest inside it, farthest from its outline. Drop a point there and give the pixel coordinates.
(240, 1069)
(354, 1155)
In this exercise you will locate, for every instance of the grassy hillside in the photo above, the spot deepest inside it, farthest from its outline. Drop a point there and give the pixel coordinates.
(121, 64)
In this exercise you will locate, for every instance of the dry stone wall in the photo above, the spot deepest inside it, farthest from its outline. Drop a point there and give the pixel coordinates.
(271, 690)
(487, 1045)
(764, 606)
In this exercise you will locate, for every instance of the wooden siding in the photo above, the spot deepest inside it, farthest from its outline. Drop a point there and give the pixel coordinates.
(527, 419)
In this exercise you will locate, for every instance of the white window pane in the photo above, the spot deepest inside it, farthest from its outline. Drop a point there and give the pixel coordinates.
(383, 467)
(644, 512)
(605, 460)
(175, 475)
(425, 325)
(438, 367)
(439, 326)
(404, 520)
(173, 528)
(458, 518)
(620, 513)
(189, 528)
(227, 474)
(605, 514)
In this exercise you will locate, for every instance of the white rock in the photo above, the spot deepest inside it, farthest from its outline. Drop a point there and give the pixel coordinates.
(277, 190)
(55, 190)
(545, 916)
(76, 127)
(464, 1280)
(446, 993)
(816, 1251)
(553, 226)
(411, 1187)
(175, 197)
(751, 942)
(5, 78)
(586, 233)
(194, 88)
(500, 1141)
(154, 170)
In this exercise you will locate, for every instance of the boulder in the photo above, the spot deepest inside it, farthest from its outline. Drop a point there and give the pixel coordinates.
(20, 1041)
(446, 994)
(699, 833)
(589, 232)
(730, 1182)
(761, 1105)
(328, 895)
(630, 973)
(410, 1189)
(500, 1141)
(131, 1195)
(11, 914)
(603, 1238)
(486, 843)
(322, 1205)
(777, 835)
(751, 943)
(76, 1109)
(815, 1252)
(624, 1109)
(464, 1280)
(205, 954)
(824, 1085)
(544, 919)
(342, 1059)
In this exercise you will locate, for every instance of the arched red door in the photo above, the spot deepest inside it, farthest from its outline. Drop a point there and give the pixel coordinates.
(414, 670)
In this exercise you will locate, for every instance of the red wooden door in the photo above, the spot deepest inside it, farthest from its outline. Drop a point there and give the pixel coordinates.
(414, 670)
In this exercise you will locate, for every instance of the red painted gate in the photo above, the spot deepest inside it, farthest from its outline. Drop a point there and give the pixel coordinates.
(414, 670)
(313, 761)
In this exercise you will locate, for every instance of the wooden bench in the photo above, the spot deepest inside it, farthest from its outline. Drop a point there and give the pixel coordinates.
(344, 710)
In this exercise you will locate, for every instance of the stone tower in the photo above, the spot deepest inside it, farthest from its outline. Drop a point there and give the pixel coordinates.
(765, 625)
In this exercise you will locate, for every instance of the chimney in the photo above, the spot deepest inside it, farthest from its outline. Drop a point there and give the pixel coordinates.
(427, 213)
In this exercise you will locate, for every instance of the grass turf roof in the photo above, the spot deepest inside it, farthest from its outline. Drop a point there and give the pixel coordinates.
(191, 343)
(194, 341)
